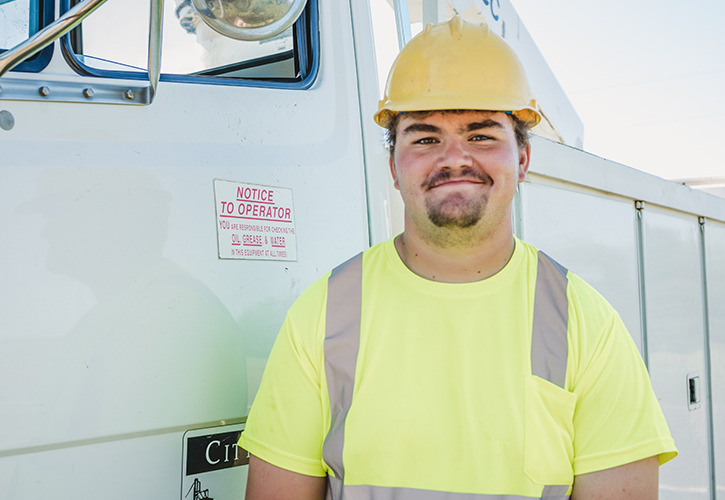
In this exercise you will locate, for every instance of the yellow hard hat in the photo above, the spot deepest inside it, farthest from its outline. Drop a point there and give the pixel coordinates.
(457, 65)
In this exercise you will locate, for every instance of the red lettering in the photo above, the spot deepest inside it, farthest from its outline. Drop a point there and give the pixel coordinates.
(254, 194)
(227, 207)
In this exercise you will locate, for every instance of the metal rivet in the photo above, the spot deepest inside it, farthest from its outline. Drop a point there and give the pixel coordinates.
(128, 94)
(88, 93)
(44, 91)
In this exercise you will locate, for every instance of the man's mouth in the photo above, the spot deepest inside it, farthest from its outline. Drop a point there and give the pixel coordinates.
(455, 182)
(445, 178)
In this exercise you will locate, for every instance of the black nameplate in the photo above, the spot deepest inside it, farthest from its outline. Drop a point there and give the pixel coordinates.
(214, 452)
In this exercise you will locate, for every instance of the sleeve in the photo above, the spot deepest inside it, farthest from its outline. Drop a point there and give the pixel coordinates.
(617, 419)
(286, 423)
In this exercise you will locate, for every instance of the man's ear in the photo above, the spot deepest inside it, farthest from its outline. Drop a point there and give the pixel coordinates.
(524, 159)
(393, 172)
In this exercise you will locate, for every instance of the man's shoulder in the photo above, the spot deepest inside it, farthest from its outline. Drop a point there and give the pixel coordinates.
(581, 294)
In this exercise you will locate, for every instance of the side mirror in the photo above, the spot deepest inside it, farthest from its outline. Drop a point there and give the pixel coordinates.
(249, 19)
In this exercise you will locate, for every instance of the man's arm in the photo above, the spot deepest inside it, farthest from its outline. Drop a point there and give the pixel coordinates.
(637, 480)
(269, 482)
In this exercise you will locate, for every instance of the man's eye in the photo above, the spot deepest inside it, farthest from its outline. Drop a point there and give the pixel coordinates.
(480, 137)
(425, 140)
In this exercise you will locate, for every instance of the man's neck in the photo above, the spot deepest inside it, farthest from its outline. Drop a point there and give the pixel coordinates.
(462, 260)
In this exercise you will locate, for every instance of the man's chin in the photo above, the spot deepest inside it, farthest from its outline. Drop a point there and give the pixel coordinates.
(454, 215)
(454, 221)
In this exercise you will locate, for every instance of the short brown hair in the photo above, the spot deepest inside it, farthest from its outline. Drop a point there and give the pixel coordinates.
(521, 128)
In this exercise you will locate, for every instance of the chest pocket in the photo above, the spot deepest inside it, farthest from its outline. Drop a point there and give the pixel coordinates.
(549, 433)
(548, 453)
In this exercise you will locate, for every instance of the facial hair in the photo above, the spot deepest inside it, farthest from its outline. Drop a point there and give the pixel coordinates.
(456, 210)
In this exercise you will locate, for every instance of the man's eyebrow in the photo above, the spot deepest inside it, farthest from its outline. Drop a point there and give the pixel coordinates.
(421, 127)
(482, 125)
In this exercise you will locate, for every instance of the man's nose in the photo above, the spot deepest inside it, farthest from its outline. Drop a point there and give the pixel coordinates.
(455, 155)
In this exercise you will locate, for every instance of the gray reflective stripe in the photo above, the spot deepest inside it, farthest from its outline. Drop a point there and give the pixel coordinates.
(549, 344)
(342, 342)
(337, 491)
(555, 492)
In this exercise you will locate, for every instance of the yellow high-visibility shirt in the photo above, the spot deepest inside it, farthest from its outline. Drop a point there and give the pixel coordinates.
(444, 398)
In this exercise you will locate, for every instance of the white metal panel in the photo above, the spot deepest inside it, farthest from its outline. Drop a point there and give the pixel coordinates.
(126, 327)
(676, 343)
(85, 470)
(577, 167)
(715, 265)
(591, 234)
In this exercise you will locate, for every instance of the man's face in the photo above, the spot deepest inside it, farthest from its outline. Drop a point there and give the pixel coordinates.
(458, 170)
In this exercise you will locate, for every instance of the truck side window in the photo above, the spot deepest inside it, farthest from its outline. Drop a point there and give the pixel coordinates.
(21, 19)
(113, 41)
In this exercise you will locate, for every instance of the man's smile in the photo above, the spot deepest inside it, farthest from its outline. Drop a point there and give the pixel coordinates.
(444, 178)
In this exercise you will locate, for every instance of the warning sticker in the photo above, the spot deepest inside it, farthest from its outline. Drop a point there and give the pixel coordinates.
(254, 222)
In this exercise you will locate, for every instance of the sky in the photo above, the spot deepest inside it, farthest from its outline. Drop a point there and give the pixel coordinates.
(646, 77)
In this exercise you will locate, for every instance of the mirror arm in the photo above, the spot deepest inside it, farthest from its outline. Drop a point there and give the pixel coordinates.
(156, 29)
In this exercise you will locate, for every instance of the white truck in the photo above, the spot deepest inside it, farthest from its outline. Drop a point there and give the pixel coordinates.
(161, 209)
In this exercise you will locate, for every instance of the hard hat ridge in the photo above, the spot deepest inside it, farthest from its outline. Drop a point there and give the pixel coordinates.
(457, 65)
(458, 25)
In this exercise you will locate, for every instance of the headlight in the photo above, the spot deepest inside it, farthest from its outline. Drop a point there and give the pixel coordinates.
(249, 19)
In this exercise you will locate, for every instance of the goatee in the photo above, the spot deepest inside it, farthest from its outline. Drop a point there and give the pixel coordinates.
(455, 211)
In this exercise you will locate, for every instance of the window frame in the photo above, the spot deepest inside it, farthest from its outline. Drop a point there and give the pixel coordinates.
(306, 42)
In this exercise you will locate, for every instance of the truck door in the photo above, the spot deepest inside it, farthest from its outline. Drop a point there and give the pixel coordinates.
(151, 249)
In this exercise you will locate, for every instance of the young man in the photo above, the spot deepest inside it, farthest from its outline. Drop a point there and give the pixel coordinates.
(455, 361)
